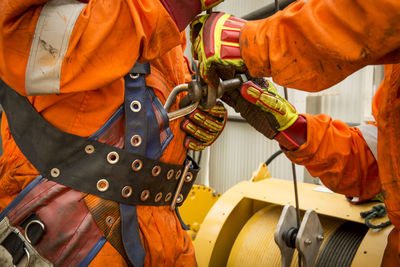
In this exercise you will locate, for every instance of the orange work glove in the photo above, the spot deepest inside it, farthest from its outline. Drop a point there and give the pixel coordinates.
(183, 11)
(215, 44)
(203, 126)
(269, 113)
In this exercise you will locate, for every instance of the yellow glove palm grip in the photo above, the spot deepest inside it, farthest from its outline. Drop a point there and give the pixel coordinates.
(203, 126)
(270, 101)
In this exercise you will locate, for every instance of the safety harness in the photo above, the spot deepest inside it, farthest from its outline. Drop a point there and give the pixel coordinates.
(34, 224)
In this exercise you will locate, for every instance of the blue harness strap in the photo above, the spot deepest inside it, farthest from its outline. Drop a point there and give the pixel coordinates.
(143, 111)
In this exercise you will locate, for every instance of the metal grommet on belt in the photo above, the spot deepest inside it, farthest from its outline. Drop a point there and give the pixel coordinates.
(158, 197)
(156, 170)
(134, 76)
(179, 199)
(126, 191)
(137, 165)
(89, 149)
(135, 106)
(136, 140)
(170, 174)
(55, 172)
(189, 177)
(168, 197)
(29, 225)
(178, 174)
(110, 220)
(145, 195)
(102, 185)
(112, 157)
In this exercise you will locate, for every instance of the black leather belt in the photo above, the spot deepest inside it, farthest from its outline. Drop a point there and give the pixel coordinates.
(90, 166)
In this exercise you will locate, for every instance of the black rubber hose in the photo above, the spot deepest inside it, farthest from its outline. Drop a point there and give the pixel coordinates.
(272, 157)
(267, 11)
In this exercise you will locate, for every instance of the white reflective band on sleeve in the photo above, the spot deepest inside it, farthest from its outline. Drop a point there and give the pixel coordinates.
(370, 134)
(50, 43)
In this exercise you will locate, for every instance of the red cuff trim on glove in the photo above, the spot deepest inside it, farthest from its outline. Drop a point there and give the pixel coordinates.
(182, 11)
(294, 136)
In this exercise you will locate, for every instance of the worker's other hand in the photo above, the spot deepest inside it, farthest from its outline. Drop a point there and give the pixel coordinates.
(183, 11)
(215, 44)
(203, 126)
(269, 113)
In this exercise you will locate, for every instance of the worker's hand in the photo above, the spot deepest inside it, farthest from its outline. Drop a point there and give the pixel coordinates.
(183, 11)
(215, 44)
(267, 98)
(269, 113)
(203, 126)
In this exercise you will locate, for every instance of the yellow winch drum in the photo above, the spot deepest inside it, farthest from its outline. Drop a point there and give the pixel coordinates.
(239, 229)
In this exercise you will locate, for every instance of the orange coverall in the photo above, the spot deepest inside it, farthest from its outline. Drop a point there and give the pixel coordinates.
(315, 44)
(107, 39)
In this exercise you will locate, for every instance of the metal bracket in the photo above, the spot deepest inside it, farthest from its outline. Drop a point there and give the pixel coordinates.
(307, 240)
(286, 222)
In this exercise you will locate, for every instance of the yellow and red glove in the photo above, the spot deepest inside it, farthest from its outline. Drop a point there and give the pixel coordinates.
(183, 11)
(269, 113)
(215, 43)
(203, 126)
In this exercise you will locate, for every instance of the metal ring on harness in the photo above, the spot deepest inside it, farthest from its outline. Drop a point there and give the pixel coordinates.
(55, 172)
(127, 191)
(112, 157)
(28, 258)
(136, 140)
(102, 185)
(27, 228)
(137, 165)
(136, 106)
(156, 170)
(89, 149)
(134, 76)
(170, 174)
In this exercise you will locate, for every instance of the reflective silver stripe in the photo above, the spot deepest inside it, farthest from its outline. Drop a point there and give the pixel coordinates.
(50, 43)
(370, 134)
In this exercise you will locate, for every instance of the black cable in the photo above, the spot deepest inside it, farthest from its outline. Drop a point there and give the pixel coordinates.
(276, 5)
(199, 159)
(266, 11)
(272, 157)
(286, 93)
(296, 196)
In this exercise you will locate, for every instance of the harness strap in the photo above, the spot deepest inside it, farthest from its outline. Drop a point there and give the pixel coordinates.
(87, 165)
(139, 68)
(15, 246)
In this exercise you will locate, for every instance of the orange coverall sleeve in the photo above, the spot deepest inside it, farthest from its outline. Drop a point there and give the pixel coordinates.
(339, 156)
(315, 44)
(107, 39)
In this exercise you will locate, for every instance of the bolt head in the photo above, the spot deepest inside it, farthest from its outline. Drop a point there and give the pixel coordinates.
(307, 242)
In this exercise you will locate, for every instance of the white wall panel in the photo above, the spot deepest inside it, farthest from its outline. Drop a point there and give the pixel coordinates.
(241, 8)
(350, 100)
(237, 154)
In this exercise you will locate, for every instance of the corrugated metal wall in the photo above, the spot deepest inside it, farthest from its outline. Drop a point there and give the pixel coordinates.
(240, 149)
